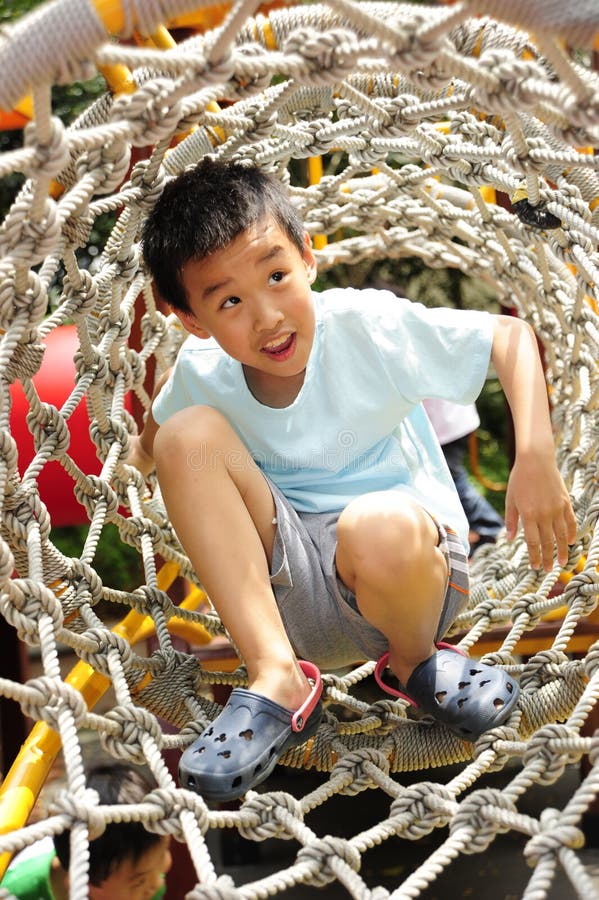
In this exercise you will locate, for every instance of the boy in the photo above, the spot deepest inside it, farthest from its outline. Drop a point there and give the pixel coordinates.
(302, 476)
(126, 862)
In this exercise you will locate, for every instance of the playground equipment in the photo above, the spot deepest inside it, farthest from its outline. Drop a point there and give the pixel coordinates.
(425, 117)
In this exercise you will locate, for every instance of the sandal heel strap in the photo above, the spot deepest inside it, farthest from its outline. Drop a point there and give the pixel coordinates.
(301, 715)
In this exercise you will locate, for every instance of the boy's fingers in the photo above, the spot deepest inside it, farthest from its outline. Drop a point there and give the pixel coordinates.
(561, 539)
(547, 549)
(545, 543)
(571, 524)
(511, 521)
(533, 542)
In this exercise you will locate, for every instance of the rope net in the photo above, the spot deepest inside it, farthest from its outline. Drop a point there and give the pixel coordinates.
(431, 109)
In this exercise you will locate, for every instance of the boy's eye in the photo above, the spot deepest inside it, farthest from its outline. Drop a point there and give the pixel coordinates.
(276, 277)
(229, 302)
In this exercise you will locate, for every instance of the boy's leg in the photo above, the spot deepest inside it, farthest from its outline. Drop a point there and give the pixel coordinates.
(387, 555)
(222, 510)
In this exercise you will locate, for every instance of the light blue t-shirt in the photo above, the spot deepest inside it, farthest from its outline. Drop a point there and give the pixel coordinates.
(357, 424)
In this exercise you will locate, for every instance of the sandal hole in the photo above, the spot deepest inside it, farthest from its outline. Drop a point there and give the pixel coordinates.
(462, 685)
(258, 768)
(510, 687)
(222, 737)
(482, 683)
(200, 749)
(498, 702)
(236, 782)
(247, 735)
(475, 671)
(209, 732)
(225, 753)
(440, 696)
(462, 701)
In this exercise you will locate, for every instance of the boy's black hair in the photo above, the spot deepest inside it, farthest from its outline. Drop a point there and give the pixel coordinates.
(203, 210)
(115, 783)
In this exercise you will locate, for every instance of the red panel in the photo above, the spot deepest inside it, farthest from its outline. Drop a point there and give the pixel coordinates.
(54, 382)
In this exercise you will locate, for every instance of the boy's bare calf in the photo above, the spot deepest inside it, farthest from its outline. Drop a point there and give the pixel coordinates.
(222, 510)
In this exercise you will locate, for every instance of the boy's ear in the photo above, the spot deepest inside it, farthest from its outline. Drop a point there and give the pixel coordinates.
(190, 323)
(309, 258)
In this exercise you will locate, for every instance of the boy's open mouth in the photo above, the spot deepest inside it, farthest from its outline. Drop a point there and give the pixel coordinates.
(281, 348)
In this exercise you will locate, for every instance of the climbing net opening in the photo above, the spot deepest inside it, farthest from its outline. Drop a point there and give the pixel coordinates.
(437, 113)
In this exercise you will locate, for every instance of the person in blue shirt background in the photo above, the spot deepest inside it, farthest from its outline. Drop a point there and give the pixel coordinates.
(453, 423)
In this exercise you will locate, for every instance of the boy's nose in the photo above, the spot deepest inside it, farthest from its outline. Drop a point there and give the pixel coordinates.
(267, 316)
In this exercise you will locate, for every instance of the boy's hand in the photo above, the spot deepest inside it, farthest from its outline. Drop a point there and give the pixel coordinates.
(139, 457)
(537, 496)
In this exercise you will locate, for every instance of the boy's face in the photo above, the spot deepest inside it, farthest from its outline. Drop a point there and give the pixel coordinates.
(254, 298)
(136, 880)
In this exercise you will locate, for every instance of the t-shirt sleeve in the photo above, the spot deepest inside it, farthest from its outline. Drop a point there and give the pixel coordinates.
(173, 396)
(442, 353)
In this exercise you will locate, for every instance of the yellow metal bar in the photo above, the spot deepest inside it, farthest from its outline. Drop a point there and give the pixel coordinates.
(111, 13)
(162, 39)
(315, 174)
(25, 107)
(269, 36)
(119, 78)
(488, 193)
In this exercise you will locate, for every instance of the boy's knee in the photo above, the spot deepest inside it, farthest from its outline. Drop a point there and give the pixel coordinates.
(195, 430)
(385, 529)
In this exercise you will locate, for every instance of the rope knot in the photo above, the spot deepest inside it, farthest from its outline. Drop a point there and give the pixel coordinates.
(132, 725)
(166, 807)
(262, 817)
(419, 809)
(476, 815)
(555, 746)
(94, 490)
(323, 856)
(32, 599)
(46, 697)
(356, 764)
(489, 741)
(51, 436)
(81, 807)
(98, 642)
(552, 837)
(321, 56)
(50, 158)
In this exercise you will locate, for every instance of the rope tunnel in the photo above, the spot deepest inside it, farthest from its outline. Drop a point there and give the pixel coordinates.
(460, 135)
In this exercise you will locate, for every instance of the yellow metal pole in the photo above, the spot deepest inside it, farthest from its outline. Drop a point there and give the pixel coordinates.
(315, 174)
(111, 13)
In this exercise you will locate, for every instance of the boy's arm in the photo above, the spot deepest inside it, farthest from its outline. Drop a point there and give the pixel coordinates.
(536, 493)
(141, 446)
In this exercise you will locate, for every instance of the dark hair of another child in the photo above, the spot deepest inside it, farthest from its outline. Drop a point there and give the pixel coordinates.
(203, 210)
(115, 783)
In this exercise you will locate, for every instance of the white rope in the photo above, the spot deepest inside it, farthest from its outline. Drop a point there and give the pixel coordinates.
(440, 104)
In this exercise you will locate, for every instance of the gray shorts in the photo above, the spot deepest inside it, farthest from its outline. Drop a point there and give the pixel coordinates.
(319, 612)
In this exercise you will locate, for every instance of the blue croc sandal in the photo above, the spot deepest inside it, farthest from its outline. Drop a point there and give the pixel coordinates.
(244, 743)
(468, 696)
